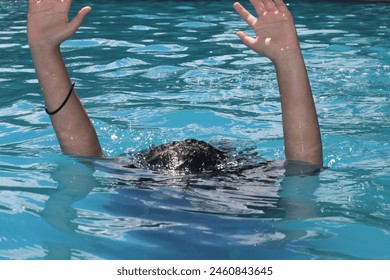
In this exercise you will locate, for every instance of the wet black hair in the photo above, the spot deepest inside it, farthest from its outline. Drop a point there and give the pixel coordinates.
(187, 156)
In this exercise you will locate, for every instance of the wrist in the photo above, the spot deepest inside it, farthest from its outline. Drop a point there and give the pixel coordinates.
(287, 56)
(41, 52)
(43, 48)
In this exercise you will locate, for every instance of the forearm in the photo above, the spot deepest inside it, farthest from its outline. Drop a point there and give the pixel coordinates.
(276, 38)
(300, 124)
(72, 125)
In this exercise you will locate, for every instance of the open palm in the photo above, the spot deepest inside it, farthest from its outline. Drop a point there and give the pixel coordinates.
(274, 28)
(48, 23)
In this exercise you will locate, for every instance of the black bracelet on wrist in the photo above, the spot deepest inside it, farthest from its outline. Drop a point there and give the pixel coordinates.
(63, 104)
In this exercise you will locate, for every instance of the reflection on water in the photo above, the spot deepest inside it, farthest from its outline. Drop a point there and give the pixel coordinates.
(98, 207)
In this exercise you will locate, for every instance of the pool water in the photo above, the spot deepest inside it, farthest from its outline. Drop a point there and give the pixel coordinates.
(151, 72)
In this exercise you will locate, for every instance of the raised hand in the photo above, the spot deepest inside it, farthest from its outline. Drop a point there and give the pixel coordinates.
(276, 38)
(47, 27)
(274, 28)
(48, 24)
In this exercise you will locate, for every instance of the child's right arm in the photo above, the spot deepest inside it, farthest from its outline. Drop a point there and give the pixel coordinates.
(47, 28)
(276, 38)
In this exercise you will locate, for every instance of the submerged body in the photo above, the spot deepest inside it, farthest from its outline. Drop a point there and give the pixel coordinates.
(191, 156)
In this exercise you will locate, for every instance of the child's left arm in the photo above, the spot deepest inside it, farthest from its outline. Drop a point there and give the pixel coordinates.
(276, 38)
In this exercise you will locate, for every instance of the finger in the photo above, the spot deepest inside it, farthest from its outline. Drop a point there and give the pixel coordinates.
(79, 18)
(246, 39)
(247, 16)
(259, 7)
(34, 3)
(281, 6)
(269, 5)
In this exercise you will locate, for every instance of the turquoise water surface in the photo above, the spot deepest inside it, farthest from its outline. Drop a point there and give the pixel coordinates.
(150, 72)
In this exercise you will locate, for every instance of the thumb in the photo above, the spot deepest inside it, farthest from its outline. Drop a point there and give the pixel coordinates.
(78, 19)
(246, 39)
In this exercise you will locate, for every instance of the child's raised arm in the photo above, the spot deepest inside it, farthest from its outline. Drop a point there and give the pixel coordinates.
(276, 38)
(47, 28)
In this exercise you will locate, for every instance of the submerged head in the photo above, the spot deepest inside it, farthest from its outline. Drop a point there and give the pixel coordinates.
(189, 156)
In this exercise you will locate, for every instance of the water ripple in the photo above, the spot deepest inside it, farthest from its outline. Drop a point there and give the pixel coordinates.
(118, 64)
(159, 48)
